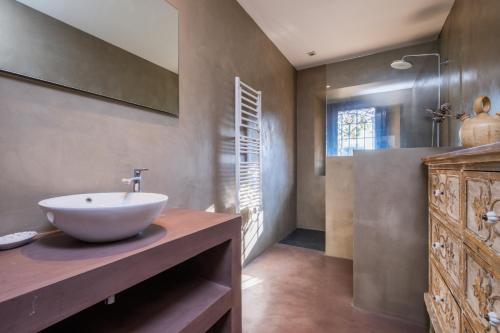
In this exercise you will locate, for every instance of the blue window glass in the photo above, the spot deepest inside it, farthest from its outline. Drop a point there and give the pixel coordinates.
(355, 130)
(360, 128)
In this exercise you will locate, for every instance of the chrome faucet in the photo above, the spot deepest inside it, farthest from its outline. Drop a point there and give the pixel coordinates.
(135, 180)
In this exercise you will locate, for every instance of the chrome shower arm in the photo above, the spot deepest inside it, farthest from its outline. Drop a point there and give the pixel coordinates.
(439, 70)
(422, 55)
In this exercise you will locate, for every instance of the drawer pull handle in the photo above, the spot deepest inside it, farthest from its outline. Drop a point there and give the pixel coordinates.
(438, 299)
(437, 245)
(493, 319)
(437, 193)
(490, 217)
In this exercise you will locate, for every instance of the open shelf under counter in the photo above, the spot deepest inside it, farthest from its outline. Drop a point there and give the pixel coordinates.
(160, 305)
(183, 274)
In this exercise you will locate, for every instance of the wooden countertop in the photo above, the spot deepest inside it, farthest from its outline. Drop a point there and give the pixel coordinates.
(481, 154)
(29, 274)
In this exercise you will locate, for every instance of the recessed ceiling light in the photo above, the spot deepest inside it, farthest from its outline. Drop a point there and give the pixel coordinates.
(328, 86)
(311, 53)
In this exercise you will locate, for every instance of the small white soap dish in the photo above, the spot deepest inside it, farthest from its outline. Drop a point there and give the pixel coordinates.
(16, 239)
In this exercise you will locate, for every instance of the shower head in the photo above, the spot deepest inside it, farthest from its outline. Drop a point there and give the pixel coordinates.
(401, 64)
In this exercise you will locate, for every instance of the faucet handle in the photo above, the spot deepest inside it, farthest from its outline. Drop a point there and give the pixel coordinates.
(137, 171)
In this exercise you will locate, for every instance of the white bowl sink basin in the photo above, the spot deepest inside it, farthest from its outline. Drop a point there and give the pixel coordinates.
(103, 217)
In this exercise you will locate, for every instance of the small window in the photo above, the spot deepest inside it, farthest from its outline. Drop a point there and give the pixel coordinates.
(355, 130)
(354, 127)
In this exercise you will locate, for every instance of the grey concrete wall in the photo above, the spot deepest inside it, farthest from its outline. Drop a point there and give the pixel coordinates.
(376, 67)
(375, 70)
(470, 41)
(311, 110)
(390, 231)
(418, 122)
(55, 142)
(339, 205)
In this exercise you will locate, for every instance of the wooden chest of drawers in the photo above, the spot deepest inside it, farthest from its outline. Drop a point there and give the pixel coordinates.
(464, 240)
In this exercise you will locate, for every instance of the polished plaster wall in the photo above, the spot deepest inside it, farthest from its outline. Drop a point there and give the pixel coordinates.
(470, 41)
(397, 87)
(312, 96)
(55, 142)
(311, 111)
(375, 68)
(390, 240)
(424, 95)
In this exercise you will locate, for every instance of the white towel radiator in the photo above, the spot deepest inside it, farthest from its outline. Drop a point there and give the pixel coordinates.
(248, 144)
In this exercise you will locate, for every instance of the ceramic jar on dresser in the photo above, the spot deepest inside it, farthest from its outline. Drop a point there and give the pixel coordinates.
(464, 240)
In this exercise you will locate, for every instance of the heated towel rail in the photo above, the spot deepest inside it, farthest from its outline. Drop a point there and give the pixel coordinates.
(248, 142)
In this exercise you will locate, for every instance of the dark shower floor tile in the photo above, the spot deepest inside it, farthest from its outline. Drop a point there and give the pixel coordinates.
(309, 239)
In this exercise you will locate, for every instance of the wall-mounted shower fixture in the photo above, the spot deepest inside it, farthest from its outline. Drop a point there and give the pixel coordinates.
(403, 64)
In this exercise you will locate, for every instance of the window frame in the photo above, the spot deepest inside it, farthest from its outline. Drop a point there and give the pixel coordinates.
(347, 139)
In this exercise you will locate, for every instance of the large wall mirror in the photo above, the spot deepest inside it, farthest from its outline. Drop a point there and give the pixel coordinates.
(125, 50)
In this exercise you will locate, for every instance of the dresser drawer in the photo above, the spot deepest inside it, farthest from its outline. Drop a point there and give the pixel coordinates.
(482, 202)
(446, 308)
(444, 194)
(446, 248)
(481, 292)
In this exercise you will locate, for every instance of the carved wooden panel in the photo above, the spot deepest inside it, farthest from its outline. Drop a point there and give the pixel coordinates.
(446, 248)
(452, 197)
(466, 326)
(464, 200)
(482, 291)
(447, 310)
(436, 185)
(445, 194)
(483, 196)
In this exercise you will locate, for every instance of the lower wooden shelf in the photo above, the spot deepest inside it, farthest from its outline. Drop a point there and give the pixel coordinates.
(160, 304)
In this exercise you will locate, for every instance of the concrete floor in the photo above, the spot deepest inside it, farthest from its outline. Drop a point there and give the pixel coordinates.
(292, 289)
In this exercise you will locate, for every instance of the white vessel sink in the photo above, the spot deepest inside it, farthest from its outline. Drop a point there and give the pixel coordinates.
(103, 217)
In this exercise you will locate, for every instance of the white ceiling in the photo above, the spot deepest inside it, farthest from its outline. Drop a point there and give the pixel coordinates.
(146, 28)
(342, 29)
